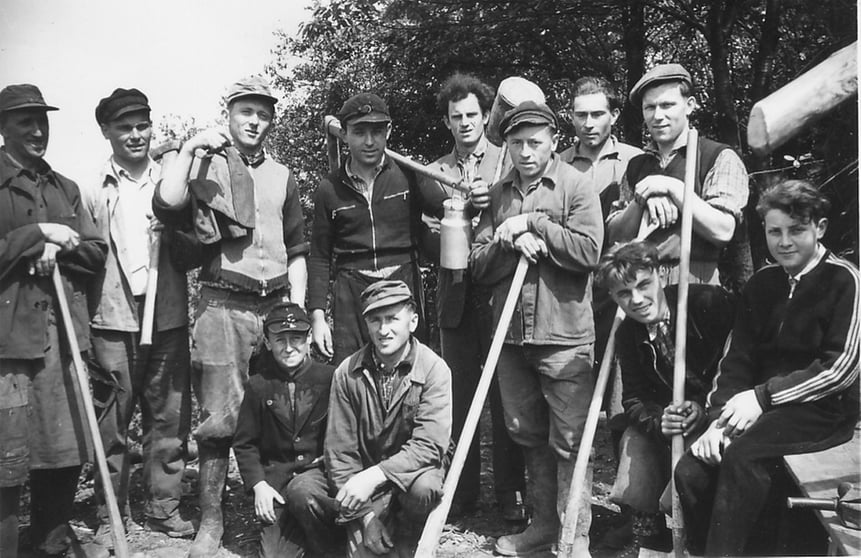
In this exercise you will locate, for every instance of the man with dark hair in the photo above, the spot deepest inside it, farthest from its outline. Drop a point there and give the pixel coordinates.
(389, 429)
(246, 212)
(156, 375)
(463, 308)
(654, 181)
(634, 277)
(788, 383)
(367, 216)
(43, 224)
(548, 212)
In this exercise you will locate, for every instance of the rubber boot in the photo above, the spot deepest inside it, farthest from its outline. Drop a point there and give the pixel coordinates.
(564, 471)
(542, 532)
(213, 474)
(9, 497)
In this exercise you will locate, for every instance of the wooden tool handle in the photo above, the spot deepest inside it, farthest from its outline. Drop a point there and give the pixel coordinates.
(121, 549)
(151, 290)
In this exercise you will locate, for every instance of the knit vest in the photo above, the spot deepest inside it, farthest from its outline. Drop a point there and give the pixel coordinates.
(668, 240)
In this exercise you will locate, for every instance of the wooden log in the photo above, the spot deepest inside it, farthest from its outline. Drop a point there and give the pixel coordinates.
(777, 118)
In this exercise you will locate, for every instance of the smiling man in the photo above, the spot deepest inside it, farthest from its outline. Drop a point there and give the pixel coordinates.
(635, 278)
(156, 375)
(654, 181)
(246, 212)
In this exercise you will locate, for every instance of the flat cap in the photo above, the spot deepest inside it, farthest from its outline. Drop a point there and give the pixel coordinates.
(661, 72)
(527, 112)
(22, 96)
(252, 86)
(286, 316)
(364, 107)
(120, 102)
(384, 293)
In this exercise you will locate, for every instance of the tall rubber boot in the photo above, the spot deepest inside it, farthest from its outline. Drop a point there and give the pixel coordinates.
(213, 474)
(564, 470)
(543, 530)
(9, 497)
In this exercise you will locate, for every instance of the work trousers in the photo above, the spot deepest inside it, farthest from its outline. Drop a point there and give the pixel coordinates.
(228, 329)
(157, 377)
(722, 504)
(349, 331)
(464, 349)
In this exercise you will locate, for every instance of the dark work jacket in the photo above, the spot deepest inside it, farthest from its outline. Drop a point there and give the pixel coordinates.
(647, 382)
(25, 299)
(271, 443)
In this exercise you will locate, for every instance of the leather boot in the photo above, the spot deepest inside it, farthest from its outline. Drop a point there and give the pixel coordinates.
(213, 474)
(542, 532)
(565, 468)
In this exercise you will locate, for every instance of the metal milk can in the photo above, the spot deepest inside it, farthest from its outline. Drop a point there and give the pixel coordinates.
(455, 231)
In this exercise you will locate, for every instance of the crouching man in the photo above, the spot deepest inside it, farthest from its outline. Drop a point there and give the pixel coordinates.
(631, 272)
(389, 428)
(279, 438)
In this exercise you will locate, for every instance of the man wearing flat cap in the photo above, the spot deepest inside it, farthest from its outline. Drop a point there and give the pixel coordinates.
(549, 213)
(246, 212)
(367, 216)
(279, 439)
(157, 375)
(43, 227)
(389, 429)
(654, 181)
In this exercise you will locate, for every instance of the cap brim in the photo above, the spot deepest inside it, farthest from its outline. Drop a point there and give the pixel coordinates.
(296, 328)
(372, 118)
(389, 301)
(238, 96)
(531, 121)
(129, 109)
(29, 106)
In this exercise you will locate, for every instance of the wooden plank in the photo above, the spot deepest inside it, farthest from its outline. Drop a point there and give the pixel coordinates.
(818, 474)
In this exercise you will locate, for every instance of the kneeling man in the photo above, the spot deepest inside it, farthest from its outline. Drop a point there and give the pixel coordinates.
(389, 428)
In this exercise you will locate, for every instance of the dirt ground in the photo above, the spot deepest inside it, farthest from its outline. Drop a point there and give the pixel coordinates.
(470, 536)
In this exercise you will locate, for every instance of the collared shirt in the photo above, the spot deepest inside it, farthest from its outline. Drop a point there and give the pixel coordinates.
(468, 163)
(609, 168)
(388, 378)
(662, 337)
(366, 188)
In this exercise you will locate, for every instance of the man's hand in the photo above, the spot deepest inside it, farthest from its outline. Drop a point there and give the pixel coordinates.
(662, 211)
(154, 224)
(660, 185)
(531, 246)
(321, 335)
(264, 496)
(63, 236)
(511, 228)
(357, 491)
(43, 266)
(479, 194)
(210, 140)
(375, 536)
(683, 419)
(709, 447)
(739, 413)
(431, 222)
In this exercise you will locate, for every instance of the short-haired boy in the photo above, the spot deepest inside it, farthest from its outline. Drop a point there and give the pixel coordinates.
(788, 383)
(645, 346)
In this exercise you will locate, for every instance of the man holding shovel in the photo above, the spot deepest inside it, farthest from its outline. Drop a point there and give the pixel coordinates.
(546, 211)
(42, 224)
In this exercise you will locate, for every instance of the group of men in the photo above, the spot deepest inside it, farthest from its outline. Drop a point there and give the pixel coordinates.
(353, 456)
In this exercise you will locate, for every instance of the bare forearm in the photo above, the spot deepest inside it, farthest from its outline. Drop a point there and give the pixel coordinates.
(174, 182)
(297, 274)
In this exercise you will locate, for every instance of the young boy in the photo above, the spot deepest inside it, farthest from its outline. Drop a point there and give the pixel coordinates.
(279, 438)
(788, 383)
(632, 274)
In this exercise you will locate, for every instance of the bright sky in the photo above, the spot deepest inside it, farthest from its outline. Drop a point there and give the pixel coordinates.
(182, 54)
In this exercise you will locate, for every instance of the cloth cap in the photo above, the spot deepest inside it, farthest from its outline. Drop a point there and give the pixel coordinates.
(384, 293)
(287, 316)
(120, 102)
(364, 107)
(22, 96)
(661, 72)
(527, 112)
(253, 86)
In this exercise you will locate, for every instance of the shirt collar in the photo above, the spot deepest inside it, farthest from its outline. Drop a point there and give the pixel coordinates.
(369, 360)
(10, 167)
(680, 143)
(551, 174)
(820, 253)
(112, 173)
(609, 149)
(478, 152)
(348, 168)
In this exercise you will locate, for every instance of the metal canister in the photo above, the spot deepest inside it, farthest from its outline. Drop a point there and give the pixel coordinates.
(511, 92)
(455, 231)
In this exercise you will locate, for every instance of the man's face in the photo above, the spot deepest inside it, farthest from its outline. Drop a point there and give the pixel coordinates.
(791, 241)
(249, 120)
(643, 298)
(289, 347)
(666, 112)
(593, 119)
(367, 142)
(390, 328)
(466, 121)
(130, 136)
(531, 148)
(25, 134)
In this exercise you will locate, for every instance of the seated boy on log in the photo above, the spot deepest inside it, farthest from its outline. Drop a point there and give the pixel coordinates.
(787, 384)
(645, 345)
